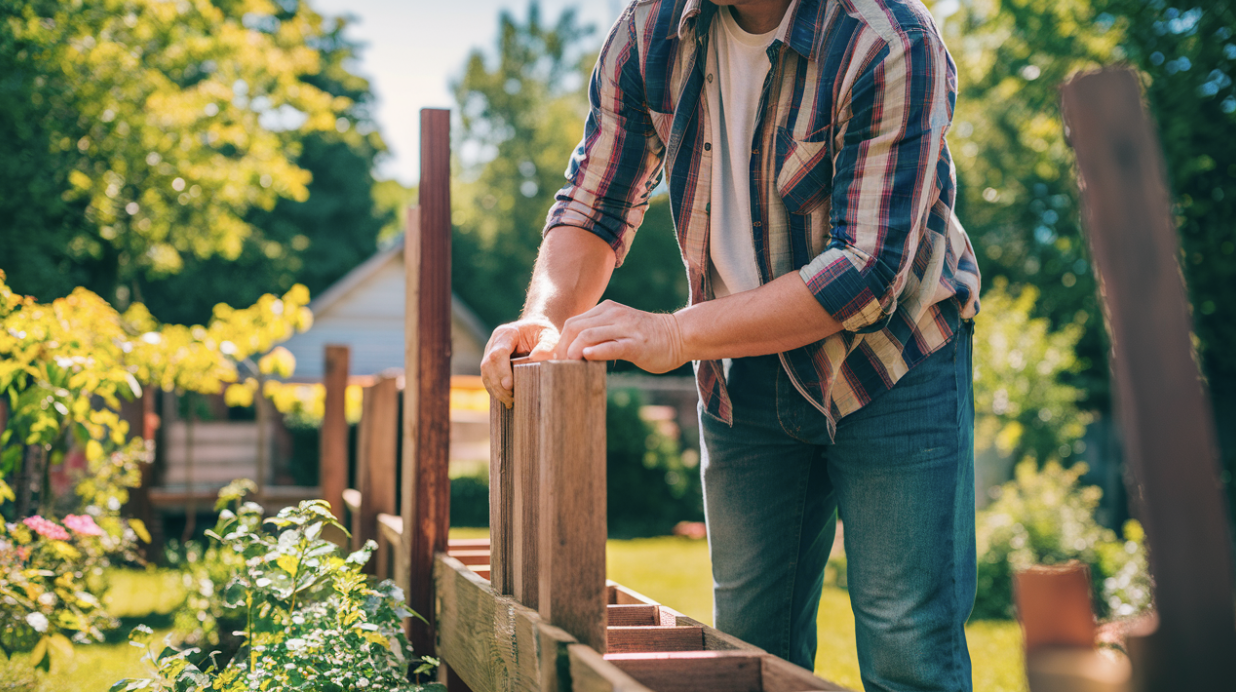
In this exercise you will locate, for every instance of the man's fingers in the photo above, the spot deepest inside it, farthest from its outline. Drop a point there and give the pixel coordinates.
(496, 365)
(592, 336)
(608, 350)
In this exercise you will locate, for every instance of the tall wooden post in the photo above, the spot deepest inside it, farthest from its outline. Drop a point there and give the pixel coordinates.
(1165, 417)
(377, 479)
(426, 511)
(333, 463)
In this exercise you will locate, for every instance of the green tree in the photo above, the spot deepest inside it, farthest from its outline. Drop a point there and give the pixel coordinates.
(522, 111)
(143, 133)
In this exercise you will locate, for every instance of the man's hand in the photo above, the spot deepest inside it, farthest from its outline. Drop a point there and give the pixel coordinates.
(536, 337)
(611, 331)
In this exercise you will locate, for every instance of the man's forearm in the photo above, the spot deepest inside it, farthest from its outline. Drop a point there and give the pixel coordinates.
(572, 270)
(779, 316)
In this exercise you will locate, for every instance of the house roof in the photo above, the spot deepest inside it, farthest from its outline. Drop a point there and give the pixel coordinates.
(365, 311)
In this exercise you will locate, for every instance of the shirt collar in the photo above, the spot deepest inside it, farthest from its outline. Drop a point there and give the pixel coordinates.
(803, 33)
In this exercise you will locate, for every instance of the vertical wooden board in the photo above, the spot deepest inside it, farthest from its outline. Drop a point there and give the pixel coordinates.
(572, 486)
(411, 397)
(333, 462)
(501, 496)
(377, 464)
(1053, 604)
(592, 673)
(525, 484)
(362, 467)
(432, 486)
(1166, 418)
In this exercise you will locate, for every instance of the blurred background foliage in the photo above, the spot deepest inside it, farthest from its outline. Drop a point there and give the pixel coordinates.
(200, 152)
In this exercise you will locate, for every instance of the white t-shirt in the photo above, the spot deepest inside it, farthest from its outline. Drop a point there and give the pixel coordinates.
(737, 66)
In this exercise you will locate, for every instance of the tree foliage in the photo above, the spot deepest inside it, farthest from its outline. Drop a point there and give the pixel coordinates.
(145, 132)
(522, 111)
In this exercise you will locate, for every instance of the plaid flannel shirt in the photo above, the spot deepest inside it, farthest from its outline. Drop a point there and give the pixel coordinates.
(852, 185)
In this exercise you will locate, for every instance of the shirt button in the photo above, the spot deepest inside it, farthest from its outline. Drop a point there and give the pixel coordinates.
(756, 224)
(709, 78)
(707, 146)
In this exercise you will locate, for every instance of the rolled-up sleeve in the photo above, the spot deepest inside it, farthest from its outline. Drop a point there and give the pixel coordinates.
(884, 180)
(619, 160)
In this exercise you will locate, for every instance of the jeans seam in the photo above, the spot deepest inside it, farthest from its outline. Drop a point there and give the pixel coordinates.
(777, 406)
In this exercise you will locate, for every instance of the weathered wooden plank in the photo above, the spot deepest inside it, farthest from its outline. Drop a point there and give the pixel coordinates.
(333, 462)
(592, 673)
(572, 487)
(468, 544)
(639, 615)
(363, 435)
(526, 483)
(693, 671)
(715, 639)
(779, 675)
(501, 496)
(630, 640)
(1166, 418)
(492, 642)
(381, 442)
(1053, 604)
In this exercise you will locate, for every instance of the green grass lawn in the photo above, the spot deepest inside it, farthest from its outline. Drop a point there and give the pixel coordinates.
(677, 573)
(674, 571)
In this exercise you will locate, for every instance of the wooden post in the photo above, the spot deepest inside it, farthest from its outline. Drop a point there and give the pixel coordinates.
(1165, 417)
(377, 480)
(333, 462)
(143, 422)
(427, 375)
(572, 499)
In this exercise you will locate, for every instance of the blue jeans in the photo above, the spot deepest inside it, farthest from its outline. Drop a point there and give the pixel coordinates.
(900, 474)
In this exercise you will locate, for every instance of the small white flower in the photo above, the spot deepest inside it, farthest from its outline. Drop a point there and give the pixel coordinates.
(38, 621)
(47, 599)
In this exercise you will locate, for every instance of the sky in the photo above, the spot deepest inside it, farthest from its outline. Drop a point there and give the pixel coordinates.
(412, 49)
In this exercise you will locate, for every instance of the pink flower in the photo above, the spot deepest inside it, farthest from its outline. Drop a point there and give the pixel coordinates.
(83, 524)
(46, 529)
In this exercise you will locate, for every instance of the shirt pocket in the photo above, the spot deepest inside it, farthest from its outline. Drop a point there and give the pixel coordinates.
(804, 170)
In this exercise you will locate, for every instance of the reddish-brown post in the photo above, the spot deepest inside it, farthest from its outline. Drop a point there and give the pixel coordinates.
(428, 371)
(333, 462)
(1166, 419)
(377, 482)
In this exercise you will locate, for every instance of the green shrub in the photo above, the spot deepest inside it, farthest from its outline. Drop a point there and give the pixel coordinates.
(311, 619)
(1046, 517)
(649, 488)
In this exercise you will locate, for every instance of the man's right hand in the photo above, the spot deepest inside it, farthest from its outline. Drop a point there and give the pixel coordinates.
(535, 337)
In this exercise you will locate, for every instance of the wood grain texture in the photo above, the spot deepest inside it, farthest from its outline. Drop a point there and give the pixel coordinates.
(333, 462)
(378, 478)
(492, 642)
(526, 483)
(636, 615)
(429, 501)
(392, 559)
(1169, 439)
(630, 640)
(501, 496)
(782, 676)
(694, 671)
(590, 672)
(715, 639)
(472, 557)
(572, 488)
(617, 594)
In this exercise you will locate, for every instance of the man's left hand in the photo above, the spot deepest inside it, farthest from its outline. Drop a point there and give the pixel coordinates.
(610, 331)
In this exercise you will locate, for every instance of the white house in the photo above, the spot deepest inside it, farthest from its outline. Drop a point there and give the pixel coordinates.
(365, 311)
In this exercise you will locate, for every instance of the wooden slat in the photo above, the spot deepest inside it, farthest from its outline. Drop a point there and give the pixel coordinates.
(572, 489)
(333, 462)
(363, 436)
(628, 640)
(1053, 604)
(715, 639)
(378, 481)
(352, 500)
(634, 615)
(467, 543)
(782, 676)
(471, 557)
(525, 483)
(1165, 416)
(390, 538)
(617, 594)
(693, 671)
(492, 642)
(592, 673)
(501, 496)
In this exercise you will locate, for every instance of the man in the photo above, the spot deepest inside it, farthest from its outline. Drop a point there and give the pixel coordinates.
(832, 292)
